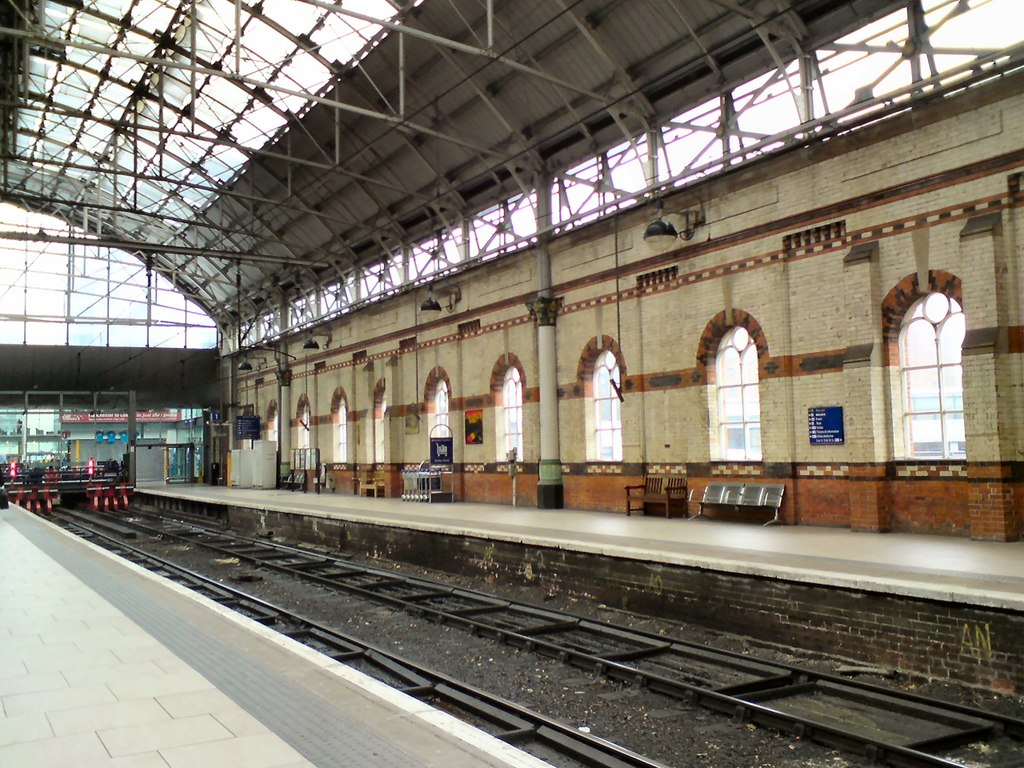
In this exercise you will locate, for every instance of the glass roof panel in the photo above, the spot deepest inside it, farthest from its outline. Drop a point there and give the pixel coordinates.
(153, 16)
(156, 88)
(254, 129)
(87, 295)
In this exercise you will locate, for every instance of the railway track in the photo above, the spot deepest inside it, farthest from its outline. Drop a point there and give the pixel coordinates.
(883, 725)
(556, 742)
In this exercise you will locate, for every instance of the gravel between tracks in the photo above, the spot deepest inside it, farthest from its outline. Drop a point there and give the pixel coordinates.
(670, 731)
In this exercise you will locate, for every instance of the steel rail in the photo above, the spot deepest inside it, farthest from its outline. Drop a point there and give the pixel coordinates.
(503, 719)
(537, 629)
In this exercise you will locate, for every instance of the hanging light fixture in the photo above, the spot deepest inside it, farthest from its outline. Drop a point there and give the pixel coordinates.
(430, 304)
(660, 228)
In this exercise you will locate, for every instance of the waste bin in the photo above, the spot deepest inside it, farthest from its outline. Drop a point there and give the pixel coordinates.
(214, 473)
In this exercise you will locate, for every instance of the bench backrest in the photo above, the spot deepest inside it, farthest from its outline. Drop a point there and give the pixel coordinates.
(652, 484)
(714, 493)
(745, 494)
(722, 493)
(752, 495)
(772, 496)
(675, 483)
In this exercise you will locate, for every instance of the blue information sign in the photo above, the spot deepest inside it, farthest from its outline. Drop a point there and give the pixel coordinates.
(441, 450)
(825, 425)
(247, 427)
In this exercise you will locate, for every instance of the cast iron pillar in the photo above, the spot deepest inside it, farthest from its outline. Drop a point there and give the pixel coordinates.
(284, 422)
(132, 467)
(549, 470)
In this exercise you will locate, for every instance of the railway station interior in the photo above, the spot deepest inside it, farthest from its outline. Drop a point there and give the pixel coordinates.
(710, 311)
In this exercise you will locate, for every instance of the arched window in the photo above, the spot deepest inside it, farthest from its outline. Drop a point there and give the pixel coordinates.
(512, 411)
(304, 427)
(931, 344)
(739, 404)
(441, 399)
(607, 409)
(380, 408)
(341, 446)
(272, 421)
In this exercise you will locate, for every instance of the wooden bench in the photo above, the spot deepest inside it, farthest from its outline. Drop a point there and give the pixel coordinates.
(667, 492)
(371, 485)
(766, 496)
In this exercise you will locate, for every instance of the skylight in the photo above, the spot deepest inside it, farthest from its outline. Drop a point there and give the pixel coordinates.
(161, 113)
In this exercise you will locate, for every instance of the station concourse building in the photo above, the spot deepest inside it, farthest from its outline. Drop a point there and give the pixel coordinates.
(772, 243)
(584, 248)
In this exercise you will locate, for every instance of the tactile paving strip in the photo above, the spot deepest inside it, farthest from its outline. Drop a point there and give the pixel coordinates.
(311, 725)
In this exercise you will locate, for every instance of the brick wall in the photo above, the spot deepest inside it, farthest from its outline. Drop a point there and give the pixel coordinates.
(818, 253)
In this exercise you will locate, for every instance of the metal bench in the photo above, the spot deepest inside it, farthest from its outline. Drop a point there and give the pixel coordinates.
(296, 481)
(742, 495)
(667, 492)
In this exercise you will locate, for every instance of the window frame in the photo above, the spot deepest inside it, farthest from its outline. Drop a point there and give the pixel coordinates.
(607, 429)
(511, 406)
(306, 433)
(945, 393)
(341, 439)
(742, 390)
(378, 446)
(441, 411)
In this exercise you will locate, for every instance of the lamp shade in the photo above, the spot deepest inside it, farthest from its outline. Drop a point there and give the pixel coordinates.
(660, 228)
(430, 304)
(245, 365)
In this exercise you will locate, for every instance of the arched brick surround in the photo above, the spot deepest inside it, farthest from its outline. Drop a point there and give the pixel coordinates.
(337, 398)
(902, 297)
(436, 375)
(379, 390)
(715, 331)
(588, 360)
(271, 417)
(300, 408)
(501, 367)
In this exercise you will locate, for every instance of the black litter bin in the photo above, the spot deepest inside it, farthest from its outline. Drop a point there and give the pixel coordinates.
(214, 473)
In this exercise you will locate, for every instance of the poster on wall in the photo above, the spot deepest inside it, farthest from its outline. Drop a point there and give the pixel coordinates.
(412, 423)
(475, 427)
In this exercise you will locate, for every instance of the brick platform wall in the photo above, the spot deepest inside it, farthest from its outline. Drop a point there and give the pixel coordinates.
(920, 637)
(822, 501)
(922, 501)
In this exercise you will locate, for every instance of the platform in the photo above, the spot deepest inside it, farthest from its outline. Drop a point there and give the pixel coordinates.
(104, 664)
(950, 569)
